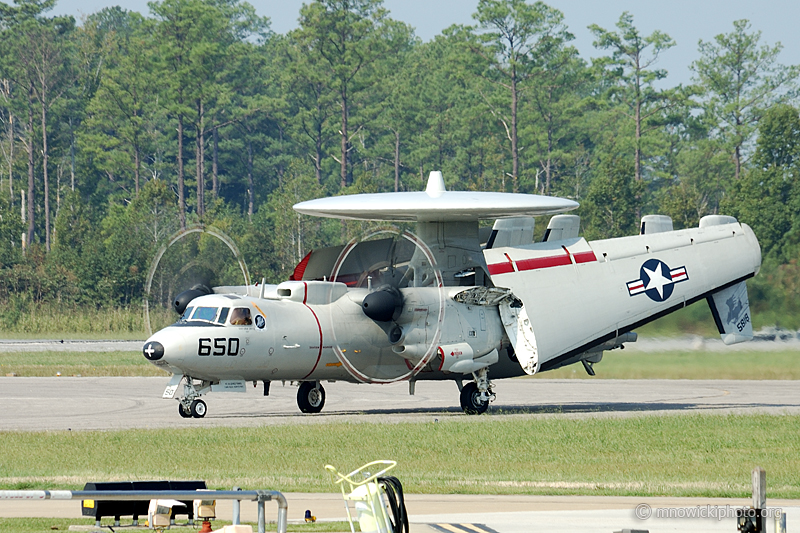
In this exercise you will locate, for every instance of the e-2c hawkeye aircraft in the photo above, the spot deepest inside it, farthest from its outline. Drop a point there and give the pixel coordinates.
(451, 302)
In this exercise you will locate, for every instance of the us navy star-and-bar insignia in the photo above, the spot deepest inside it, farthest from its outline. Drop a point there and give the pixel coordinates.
(657, 280)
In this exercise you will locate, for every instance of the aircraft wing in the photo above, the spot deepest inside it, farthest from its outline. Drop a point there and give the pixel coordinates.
(573, 295)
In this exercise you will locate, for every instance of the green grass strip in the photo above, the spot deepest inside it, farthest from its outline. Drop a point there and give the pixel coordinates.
(49, 363)
(683, 455)
(700, 364)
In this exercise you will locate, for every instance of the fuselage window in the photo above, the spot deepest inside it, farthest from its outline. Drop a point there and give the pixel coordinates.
(207, 314)
(241, 316)
(187, 313)
(223, 314)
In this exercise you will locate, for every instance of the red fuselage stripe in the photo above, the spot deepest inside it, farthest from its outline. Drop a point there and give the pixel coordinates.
(500, 268)
(584, 257)
(319, 354)
(541, 262)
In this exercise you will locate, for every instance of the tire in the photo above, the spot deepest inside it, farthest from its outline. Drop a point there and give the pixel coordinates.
(310, 399)
(199, 409)
(183, 412)
(471, 400)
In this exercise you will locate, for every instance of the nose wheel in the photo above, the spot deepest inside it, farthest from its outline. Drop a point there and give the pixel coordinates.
(190, 405)
(196, 409)
(199, 409)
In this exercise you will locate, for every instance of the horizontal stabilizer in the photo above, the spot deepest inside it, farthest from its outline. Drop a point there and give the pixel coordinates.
(731, 310)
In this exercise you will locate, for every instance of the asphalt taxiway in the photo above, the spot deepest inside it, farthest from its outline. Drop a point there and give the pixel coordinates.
(103, 403)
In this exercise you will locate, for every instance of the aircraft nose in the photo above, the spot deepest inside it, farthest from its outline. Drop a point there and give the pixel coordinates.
(164, 348)
(153, 350)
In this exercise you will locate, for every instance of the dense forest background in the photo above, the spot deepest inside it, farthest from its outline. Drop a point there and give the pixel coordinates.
(119, 131)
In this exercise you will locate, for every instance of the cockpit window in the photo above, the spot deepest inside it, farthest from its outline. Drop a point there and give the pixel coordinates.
(187, 313)
(207, 314)
(241, 317)
(223, 314)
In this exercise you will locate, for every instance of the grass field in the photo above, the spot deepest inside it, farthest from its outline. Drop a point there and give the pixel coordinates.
(55, 321)
(631, 364)
(692, 455)
(77, 363)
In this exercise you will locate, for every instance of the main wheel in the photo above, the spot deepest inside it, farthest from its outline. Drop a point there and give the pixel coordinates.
(310, 398)
(471, 401)
(182, 410)
(199, 408)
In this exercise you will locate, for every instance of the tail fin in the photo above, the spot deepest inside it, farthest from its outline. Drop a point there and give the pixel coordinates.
(731, 310)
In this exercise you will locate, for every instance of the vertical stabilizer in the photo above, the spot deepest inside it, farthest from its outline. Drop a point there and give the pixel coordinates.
(517, 231)
(562, 227)
(731, 310)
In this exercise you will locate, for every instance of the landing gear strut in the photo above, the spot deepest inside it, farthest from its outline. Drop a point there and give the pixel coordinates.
(475, 396)
(310, 397)
(190, 405)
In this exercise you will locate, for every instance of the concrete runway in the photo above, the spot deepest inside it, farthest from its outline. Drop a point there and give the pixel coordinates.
(104, 403)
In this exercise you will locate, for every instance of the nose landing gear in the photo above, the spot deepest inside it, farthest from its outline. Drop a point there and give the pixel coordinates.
(190, 405)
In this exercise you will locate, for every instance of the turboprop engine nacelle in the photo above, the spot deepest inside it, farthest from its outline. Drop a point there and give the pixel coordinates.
(460, 359)
(466, 333)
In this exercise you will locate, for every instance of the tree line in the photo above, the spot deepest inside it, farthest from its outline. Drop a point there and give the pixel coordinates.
(117, 132)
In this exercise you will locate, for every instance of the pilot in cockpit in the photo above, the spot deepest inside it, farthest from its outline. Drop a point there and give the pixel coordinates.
(241, 317)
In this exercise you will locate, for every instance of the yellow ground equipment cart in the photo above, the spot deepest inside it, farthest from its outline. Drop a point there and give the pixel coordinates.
(377, 498)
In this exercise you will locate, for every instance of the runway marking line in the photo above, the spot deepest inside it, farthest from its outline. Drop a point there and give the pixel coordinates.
(462, 528)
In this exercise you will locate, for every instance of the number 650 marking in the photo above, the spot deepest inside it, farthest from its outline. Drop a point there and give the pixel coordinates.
(221, 346)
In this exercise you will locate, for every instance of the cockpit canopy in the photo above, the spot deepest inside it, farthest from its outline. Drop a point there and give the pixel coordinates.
(203, 310)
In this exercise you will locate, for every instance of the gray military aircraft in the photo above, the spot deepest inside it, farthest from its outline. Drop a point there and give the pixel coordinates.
(451, 302)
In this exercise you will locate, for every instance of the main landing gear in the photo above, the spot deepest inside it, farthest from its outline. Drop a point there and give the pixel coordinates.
(475, 396)
(190, 405)
(310, 397)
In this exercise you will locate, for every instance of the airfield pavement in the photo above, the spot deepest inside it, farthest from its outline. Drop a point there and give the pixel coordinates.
(464, 513)
(81, 403)
(102, 403)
